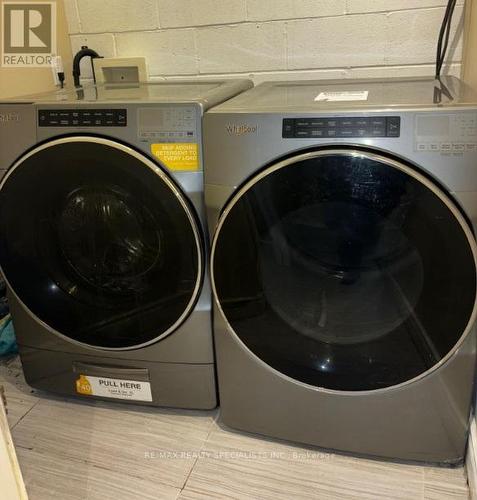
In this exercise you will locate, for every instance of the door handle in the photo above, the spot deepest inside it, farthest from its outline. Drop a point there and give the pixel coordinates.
(111, 371)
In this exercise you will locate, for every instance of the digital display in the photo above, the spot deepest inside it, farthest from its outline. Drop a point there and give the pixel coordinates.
(433, 126)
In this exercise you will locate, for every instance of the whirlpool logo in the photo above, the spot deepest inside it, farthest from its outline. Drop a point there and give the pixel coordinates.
(242, 129)
(9, 117)
(28, 34)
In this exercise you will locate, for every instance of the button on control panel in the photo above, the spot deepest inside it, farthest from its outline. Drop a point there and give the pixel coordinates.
(367, 126)
(82, 118)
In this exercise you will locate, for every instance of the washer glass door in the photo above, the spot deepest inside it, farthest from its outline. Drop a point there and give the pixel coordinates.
(98, 243)
(345, 270)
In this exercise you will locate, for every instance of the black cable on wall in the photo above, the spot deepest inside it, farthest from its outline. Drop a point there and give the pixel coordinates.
(444, 34)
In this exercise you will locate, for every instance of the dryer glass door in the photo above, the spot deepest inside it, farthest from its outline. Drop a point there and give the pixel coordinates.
(345, 270)
(98, 243)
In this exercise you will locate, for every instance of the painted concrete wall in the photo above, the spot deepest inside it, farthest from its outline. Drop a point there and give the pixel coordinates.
(268, 39)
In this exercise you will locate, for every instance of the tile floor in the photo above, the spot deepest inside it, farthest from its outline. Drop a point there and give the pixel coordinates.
(77, 450)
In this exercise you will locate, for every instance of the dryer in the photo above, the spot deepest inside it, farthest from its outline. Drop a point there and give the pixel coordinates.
(343, 263)
(103, 242)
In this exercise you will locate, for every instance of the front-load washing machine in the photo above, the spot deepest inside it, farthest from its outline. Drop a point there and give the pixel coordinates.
(344, 263)
(102, 240)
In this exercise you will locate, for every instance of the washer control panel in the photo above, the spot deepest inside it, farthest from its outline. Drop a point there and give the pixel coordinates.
(82, 118)
(446, 133)
(362, 126)
(167, 123)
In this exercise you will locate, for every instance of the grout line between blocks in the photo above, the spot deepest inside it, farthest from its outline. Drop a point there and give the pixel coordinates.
(260, 21)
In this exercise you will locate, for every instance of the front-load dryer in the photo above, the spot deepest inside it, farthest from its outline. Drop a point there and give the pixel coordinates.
(103, 242)
(344, 263)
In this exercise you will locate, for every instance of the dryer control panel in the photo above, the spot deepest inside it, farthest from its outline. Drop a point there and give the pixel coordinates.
(342, 126)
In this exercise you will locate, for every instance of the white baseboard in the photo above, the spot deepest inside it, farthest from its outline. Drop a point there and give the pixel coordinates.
(471, 460)
(11, 478)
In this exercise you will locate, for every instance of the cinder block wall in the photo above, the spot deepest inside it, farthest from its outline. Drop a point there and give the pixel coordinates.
(268, 39)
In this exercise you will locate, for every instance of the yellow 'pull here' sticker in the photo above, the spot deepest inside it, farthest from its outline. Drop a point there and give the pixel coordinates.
(177, 155)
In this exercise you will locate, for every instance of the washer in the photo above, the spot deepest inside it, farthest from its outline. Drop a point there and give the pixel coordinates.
(103, 242)
(344, 263)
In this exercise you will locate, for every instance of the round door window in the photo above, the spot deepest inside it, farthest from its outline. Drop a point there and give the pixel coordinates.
(345, 270)
(98, 243)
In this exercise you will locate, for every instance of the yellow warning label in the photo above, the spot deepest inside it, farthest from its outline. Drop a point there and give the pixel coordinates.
(177, 155)
(83, 386)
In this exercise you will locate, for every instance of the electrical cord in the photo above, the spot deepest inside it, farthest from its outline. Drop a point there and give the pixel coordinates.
(444, 35)
(441, 36)
(61, 78)
(59, 72)
(447, 34)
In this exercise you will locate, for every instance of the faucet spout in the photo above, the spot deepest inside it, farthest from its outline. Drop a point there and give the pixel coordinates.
(84, 52)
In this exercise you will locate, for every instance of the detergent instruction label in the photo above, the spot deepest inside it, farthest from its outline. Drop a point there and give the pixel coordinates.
(357, 95)
(177, 155)
(133, 390)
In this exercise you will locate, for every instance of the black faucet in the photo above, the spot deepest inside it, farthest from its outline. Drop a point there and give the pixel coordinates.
(84, 52)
